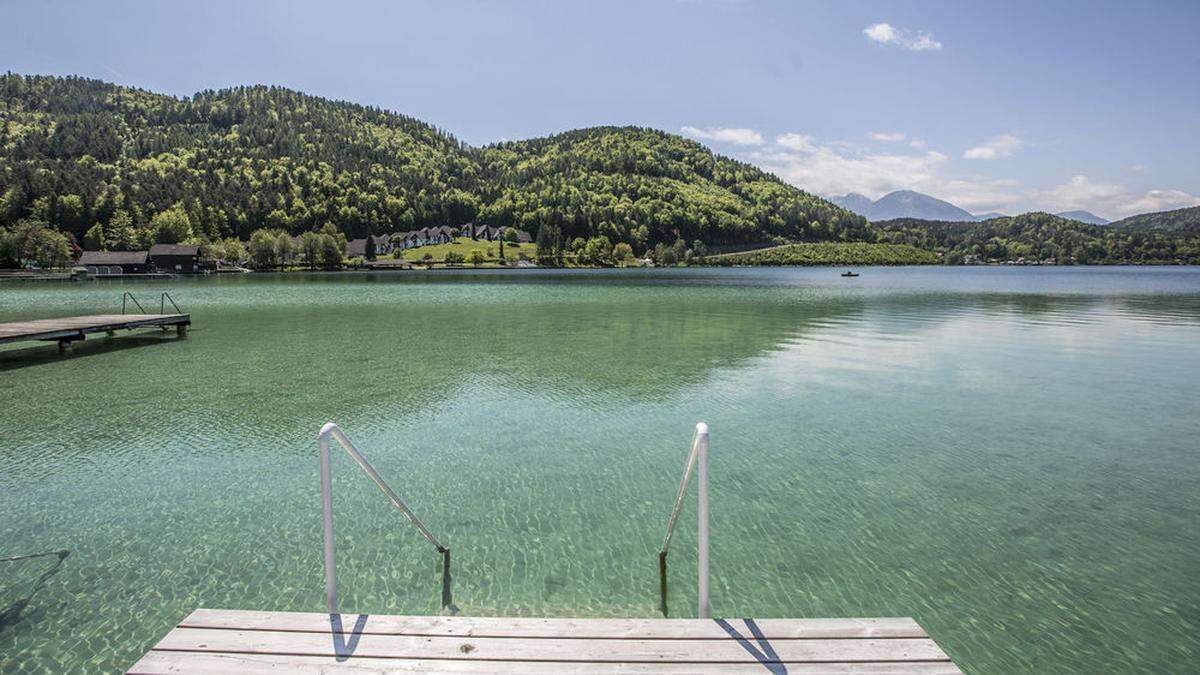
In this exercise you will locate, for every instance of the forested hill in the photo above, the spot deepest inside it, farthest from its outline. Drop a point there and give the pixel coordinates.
(1042, 236)
(1186, 220)
(642, 185)
(76, 152)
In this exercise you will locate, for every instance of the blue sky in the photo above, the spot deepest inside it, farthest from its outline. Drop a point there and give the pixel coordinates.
(1005, 106)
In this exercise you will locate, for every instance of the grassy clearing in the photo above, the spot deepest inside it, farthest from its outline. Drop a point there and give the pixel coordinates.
(464, 245)
(829, 253)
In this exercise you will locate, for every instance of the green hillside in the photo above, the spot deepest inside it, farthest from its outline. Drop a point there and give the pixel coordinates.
(75, 152)
(1041, 236)
(642, 185)
(1187, 220)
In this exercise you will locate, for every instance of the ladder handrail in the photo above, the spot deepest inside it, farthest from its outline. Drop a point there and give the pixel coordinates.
(129, 295)
(689, 464)
(331, 430)
(162, 303)
(698, 454)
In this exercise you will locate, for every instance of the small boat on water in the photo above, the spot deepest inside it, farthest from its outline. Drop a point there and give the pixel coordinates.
(848, 273)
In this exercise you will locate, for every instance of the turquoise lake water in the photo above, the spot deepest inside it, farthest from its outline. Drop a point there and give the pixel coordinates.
(1011, 456)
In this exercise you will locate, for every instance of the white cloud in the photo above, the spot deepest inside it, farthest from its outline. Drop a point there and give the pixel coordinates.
(797, 142)
(837, 167)
(1079, 191)
(828, 170)
(1000, 146)
(885, 137)
(734, 135)
(1138, 168)
(1110, 199)
(887, 34)
(1159, 200)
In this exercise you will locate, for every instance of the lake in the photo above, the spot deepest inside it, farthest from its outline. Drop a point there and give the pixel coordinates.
(1008, 455)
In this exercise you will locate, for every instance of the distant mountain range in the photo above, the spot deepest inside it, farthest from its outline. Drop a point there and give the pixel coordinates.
(910, 204)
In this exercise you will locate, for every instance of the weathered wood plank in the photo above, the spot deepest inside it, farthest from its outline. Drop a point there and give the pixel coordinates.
(615, 650)
(544, 627)
(156, 663)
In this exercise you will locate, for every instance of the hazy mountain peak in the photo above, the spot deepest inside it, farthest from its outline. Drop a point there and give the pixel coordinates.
(1084, 217)
(860, 204)
(903, 204)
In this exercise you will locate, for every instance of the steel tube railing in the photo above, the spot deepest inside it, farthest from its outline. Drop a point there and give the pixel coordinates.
(162, 303)
(697, 454)
(128, 295)
(331, 430)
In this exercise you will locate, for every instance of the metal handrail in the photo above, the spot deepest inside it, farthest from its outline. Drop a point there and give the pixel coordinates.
(129, 295)
(162, 303)
(698, 454)
(331, 430)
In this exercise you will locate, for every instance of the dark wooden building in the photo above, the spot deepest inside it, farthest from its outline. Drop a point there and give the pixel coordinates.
(115, 262)
(176, 258)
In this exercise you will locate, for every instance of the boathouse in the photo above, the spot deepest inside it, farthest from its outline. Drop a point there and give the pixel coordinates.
(115, 262)
(176, 258)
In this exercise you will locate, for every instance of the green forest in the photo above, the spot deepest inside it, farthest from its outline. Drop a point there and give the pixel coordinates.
(135, 167)
(1186, 220)
(1041, 237)
(88, 164)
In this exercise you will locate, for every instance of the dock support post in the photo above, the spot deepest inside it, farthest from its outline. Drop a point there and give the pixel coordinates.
(702, 516)
(181, 330)
(327, 505)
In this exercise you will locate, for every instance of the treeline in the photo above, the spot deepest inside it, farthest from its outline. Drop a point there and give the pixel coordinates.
(135, 168)
(1041, 237)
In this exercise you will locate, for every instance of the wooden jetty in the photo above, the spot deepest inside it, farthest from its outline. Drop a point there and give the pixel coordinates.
(226, 641)
(71, 329)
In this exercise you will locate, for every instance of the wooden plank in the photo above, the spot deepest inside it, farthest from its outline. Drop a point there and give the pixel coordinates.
(156, 663)
(616, 650)
(778, 629)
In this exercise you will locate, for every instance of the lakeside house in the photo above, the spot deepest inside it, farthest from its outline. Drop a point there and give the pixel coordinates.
(357, 248)
(115, 262)
(177, 258)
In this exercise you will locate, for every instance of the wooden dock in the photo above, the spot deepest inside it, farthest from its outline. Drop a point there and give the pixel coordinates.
(71, 329)
(225, 641)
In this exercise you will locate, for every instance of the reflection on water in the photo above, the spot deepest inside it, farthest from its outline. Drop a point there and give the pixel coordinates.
(1007, 455)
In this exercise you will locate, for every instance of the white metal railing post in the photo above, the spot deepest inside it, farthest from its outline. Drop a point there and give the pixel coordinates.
(697, 454)
(702, 516)
(331, 430)
(327, 505)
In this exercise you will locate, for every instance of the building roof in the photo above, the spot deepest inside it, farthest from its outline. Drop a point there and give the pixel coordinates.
(174, 249)
(356, 247)
(524, 237)
(113, 258)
